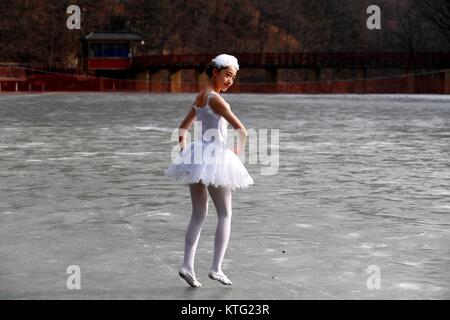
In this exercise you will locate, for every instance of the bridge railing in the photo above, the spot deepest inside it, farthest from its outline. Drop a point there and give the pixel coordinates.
(305, 59)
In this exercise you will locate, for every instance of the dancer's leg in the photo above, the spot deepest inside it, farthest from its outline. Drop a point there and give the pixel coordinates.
(199, 197)
(221, 197)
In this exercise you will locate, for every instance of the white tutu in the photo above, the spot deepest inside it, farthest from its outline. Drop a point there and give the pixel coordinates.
(211, 164)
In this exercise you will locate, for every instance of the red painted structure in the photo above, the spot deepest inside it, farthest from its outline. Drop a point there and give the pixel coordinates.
(109, 51)
(424, 73)
(12, 72)
(108, 64)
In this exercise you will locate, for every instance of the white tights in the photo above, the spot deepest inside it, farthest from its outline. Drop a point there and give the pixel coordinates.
(221, 197)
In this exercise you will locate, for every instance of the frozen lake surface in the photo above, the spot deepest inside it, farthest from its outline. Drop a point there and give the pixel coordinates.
(363, 184)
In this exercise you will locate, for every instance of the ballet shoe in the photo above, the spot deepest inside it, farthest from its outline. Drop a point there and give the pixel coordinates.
(223, 279)
(192, 281)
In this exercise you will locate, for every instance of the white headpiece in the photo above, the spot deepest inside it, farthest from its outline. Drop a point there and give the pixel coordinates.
(225, 60)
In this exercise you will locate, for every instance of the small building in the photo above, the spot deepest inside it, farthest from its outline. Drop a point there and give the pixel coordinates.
(12, 77)
(109, 54)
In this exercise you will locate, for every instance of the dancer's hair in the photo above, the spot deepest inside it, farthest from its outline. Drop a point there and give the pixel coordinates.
(222, 61)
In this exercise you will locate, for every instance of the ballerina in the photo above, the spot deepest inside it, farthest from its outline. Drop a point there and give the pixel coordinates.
(207, 165)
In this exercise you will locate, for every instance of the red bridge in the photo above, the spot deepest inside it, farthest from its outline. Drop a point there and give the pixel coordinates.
(315, 73)
(319, 72)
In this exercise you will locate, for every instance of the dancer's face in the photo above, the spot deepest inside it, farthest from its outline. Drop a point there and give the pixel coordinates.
(225, 77)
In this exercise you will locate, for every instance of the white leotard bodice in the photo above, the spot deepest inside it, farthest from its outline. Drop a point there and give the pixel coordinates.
(210, 119)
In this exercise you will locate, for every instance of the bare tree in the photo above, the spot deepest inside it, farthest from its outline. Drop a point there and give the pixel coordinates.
(409, 30)
(437, 12)
(154, 19)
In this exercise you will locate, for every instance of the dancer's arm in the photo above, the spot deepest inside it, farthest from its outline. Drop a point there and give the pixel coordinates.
(223, 108)
(185, 125)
